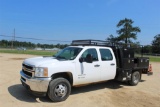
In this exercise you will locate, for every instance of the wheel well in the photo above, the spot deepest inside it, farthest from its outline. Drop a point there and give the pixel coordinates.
(66, 75)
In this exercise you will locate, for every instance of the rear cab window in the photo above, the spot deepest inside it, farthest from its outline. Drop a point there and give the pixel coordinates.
(106, 55)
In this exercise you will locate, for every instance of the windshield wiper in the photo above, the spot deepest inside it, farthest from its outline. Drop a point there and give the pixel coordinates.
(61, 57)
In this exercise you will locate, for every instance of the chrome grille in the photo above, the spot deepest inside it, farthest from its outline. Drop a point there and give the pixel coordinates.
(28, 70)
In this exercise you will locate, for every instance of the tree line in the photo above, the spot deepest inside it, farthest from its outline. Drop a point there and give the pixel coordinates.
(29, 45)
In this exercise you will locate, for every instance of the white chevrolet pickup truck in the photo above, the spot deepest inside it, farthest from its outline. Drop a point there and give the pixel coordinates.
(83, 62)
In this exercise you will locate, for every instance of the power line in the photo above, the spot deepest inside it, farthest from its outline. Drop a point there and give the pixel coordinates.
(13, 39)
(34, 38)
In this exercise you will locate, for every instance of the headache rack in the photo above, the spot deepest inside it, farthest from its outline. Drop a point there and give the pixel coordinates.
(91, 42)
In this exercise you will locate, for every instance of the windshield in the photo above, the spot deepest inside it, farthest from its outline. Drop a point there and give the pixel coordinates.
(68, 53)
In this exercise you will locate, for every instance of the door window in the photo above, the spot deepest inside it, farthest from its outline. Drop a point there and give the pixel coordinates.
(92, 52)
(106, 54)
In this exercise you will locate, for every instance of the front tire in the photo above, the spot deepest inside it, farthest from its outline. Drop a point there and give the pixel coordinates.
(59, 89)
(135, 78)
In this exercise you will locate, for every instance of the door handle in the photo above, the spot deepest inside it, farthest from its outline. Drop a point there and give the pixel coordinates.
(112, 64)
(96, 65)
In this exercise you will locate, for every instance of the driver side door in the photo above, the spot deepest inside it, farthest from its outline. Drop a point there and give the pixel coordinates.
(89, 71)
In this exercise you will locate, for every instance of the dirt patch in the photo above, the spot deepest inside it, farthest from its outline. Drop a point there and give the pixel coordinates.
(134, 98)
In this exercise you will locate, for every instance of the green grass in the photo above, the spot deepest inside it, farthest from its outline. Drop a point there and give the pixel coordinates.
(155, 59)
(30, 52)
(152, 58)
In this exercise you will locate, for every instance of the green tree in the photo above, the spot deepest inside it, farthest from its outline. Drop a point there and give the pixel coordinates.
(156, 44)
(147, 49)
(112, 38)
(127, 31)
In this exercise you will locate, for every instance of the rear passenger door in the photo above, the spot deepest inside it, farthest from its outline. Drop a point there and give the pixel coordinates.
(108, 64)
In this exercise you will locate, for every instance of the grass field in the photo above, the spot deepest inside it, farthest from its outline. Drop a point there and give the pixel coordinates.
(50, 53)
(153, 58)
(30, 52)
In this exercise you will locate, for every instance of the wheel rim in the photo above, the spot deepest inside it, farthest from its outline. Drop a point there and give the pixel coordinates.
(60, 90)
(136, 78)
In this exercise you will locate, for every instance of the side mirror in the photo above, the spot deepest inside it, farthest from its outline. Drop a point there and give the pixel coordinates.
(81, 60)
(89, 58)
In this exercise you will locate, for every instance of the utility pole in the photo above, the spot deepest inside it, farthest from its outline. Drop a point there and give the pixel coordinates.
(13, 39)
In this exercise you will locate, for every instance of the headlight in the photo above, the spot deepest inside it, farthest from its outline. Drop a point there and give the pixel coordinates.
(41, 72)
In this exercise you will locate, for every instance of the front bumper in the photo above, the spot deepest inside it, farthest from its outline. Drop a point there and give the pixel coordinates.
(35, 84)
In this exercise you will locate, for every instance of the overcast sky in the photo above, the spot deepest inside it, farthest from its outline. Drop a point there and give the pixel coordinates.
(67, 20)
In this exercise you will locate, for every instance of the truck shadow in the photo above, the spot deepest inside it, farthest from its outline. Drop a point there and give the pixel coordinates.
(111, 84)
(20, 93)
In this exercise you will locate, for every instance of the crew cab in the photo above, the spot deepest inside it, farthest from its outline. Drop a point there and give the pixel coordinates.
(84, 62)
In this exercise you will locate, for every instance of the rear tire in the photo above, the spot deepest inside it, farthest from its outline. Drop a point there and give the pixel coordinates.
(135, 78)
(59, 89)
